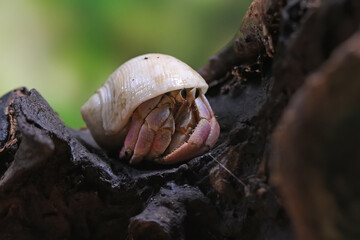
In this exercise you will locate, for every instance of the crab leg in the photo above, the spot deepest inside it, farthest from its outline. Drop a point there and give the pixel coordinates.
(214, 133)
(162, 138)
(214, 125)
(136, 122)
(150, 137)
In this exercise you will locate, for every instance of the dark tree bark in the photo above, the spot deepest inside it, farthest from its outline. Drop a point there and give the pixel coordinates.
(286, 94)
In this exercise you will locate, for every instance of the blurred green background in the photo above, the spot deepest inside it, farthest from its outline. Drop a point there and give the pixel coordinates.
(67, 49)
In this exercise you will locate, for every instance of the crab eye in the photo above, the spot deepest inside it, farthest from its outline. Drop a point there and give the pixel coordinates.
(183, 93)
(197, 93)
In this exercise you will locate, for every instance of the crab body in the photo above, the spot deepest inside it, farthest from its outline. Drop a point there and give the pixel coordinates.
(153, 107)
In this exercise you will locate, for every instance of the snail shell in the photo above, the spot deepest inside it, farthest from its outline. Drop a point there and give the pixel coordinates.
(108, 111)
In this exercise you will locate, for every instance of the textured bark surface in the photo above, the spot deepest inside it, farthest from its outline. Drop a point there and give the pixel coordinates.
(286, 94)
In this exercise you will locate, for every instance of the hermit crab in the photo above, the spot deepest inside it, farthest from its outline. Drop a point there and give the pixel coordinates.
(153, 108)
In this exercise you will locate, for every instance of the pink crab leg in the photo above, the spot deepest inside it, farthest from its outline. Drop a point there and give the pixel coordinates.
(142, 147)
(205, 111)
(149, 133)
(136, 122)
(202, 109)
(214, 133)
(162, 138)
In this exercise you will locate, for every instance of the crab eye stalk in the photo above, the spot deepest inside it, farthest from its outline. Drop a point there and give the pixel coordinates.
(183, 93)
(197, 93)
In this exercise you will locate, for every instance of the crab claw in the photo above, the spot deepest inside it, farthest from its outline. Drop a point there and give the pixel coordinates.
(201, 140)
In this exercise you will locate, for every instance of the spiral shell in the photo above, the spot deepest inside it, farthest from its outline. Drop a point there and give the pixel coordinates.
(108, 111)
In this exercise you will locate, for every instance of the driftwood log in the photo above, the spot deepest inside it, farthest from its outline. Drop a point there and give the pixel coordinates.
(286, 91)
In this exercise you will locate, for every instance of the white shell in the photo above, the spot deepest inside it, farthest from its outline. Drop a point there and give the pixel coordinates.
(108, 111)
